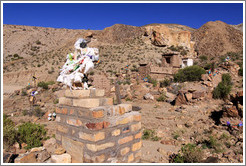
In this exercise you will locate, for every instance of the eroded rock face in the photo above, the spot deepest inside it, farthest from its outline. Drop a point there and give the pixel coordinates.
(162, 35)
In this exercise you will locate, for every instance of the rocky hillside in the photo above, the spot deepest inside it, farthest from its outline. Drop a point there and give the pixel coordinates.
(217, 38)
(30, 50)
(238, 27)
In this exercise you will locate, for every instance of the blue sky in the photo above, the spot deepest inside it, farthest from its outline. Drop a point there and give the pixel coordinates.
(101, 15)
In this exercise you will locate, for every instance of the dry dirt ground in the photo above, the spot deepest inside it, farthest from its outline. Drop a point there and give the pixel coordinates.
(162, 118)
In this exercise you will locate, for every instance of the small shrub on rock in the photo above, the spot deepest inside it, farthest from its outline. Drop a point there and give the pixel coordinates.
(224, 87)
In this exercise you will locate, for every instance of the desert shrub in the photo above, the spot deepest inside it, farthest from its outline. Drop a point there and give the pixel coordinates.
(240, 71)
(38, 112)
(165, 83)
(56, 101)
(9, 132)
(183, 52)
(177, 48)
(16, 55)
(38, 42)
(92, 73)
(223, 88)
(203, 58)
(149, 134)
(214, 143)
(24, 112)
(222, 58)
(28, 87)
(152, 81)
(32, 134)
(44, 85)
(190, 153)
(23, 92)
(162, 97)
(190, 73)
(211, 66)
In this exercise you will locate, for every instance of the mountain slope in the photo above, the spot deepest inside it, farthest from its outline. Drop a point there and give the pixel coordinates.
(217, 38)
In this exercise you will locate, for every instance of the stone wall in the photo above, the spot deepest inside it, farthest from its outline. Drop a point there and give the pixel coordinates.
(100, 132)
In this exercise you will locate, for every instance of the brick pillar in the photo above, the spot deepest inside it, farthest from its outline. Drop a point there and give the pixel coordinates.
(93, 130)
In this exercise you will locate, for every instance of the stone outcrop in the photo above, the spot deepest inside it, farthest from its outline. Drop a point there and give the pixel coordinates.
(162, 35)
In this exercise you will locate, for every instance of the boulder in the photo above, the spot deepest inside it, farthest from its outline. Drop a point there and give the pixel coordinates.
(207, 83)
(167, 142)
(230, 111)
(148, 96)
(37, 149)
(9, 157)
(198, 94)
(59, 151)
(26, 158)
(180, 99)
(170, 96)
(64, 158)
(42, 156)
(204, 77)
(50, 145)
(162, 151)
(188, 96)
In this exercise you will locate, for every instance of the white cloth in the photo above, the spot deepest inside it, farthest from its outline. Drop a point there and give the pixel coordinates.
(74, 69)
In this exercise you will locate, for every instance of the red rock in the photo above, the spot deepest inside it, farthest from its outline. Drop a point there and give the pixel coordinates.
(180, 99)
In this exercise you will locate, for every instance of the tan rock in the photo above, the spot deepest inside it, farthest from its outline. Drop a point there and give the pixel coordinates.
(26, 158)
(50, 145)
(162, 151)
(59, 151)
(37, 149)
(188, 96)
(74, 148)
(64, 158)
(77, 93)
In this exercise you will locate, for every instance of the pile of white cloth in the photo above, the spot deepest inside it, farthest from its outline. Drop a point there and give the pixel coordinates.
(78, 64)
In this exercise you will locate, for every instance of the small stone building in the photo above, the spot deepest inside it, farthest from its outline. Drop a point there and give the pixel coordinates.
(170, 63)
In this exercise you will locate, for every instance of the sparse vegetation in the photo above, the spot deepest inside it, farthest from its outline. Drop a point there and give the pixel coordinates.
(203, 58)
(44, 85)
(56, 101)
(166, 82)
(38, 42)
(190, 153)
(161, 98)
(152, 81)
(150, 135)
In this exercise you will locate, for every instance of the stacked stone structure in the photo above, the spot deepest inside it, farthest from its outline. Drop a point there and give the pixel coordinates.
(93, 130)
